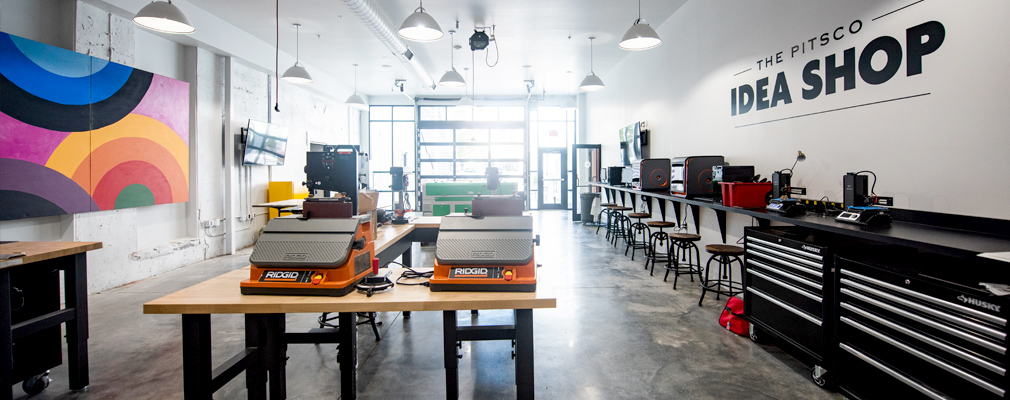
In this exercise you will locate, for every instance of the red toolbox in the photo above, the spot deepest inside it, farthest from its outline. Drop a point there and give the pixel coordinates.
(745, 194)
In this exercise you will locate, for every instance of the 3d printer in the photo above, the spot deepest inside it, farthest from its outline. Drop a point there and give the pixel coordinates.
(311, 256)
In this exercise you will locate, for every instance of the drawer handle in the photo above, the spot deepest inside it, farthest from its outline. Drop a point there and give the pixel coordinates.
(954, 306)
(925, 321)
(786, 286)
(894, 374)
(787, 307)
(783, 263)
(926, 339)
(784, 248)
(786, 274)
(926, 357)
(932, 311)
(785, 256)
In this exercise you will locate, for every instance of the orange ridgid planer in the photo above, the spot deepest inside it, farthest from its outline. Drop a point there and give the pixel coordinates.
(485, 254)
(310, 257)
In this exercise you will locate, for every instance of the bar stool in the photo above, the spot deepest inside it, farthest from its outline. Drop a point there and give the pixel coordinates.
(620, 224)
(725, 255)
(686, 250)
(638, 229)
(604, 209)
(656, 240)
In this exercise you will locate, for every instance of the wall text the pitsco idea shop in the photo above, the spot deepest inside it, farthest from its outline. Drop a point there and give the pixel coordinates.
(823, 78)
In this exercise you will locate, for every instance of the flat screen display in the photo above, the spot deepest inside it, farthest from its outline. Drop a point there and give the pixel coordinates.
(631, 143)
(265, 144)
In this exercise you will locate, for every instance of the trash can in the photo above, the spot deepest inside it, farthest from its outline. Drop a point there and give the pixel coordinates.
(586, 200)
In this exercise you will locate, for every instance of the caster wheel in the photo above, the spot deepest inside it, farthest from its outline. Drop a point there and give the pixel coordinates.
(36, 384)
(755, 334)
(819, 376)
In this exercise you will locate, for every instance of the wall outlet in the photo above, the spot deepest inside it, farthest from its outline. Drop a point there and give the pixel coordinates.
(209, 223)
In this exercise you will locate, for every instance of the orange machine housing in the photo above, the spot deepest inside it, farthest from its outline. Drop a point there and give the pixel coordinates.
(484, 278)
(486, 253)
(297, 273)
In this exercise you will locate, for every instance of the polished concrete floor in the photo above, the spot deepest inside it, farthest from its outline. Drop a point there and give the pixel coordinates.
(617, 333)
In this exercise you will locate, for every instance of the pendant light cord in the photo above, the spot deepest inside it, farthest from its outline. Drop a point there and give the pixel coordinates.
(591, 56)
(277, 57)
(298, 42)
(355, 78)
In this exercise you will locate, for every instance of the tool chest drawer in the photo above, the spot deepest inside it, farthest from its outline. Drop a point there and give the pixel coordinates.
(919, 334)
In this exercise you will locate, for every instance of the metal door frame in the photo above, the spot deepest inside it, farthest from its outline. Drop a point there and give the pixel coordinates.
(540, 178)
(575, 176)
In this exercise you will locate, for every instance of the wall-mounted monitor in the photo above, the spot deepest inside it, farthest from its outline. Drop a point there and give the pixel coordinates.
(265, 144)
(631, 143)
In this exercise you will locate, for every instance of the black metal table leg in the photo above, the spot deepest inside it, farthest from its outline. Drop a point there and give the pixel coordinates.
(275, 354)
(407, 257)
(6, 348)
(451, 360)
(76, 295)
(347, 354)
(256, 376)
(524, 354)
(196, 368)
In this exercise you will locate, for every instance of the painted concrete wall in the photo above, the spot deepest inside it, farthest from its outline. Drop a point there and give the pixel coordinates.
(936, 140)
(145, 241)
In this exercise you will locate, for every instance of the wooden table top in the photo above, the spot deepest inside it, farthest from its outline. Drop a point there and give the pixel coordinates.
(388, 234)
(427, 222)
(221, 295)
(40, 251)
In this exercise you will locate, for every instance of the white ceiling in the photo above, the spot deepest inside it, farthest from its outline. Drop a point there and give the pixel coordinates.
(537, 40)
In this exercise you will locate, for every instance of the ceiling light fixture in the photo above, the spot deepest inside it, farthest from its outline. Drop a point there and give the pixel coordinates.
(568, 103)
(355, 101)
(640, 36)
(164, 17)
(466, 102)
(591, 82)
(420, 26)
(297, 73)
(451, 77)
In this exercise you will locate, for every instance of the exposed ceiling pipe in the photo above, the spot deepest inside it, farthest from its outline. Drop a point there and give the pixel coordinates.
(375, 21)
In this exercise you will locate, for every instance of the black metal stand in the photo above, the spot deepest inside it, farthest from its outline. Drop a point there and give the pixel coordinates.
(521, 334)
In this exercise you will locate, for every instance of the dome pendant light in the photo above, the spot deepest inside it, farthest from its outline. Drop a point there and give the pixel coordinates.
(355, 101)
(591, 82)
(420, 26)
(297, 73)
(640, 36)
(466, 102)
(451, 77)
(164, 17)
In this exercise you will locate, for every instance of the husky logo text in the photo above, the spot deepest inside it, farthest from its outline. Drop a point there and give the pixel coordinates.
(976, 302)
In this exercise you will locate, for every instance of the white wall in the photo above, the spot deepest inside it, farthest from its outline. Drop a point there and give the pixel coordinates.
(943, 152)
(145, 241)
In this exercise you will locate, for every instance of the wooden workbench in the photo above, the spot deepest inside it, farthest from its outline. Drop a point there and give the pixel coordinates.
(266, 338)
(70, 258)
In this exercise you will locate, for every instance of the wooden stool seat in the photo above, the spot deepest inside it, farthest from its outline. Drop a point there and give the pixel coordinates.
(687, 237)
(608, 205)
(639, 215)
(724, 249)
(620, 208)
(661, 224)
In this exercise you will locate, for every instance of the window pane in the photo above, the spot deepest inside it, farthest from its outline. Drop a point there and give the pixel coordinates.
(459, 114)
(436, 168)
(516, 113)
(552, 134)
(470, 152)
(471, 135)
(441, 152)
(403, 143)
(509, 168)
(471, 168)
(380, 140)
(403, 113)
(507, 135)
(485, 113)
(436, 135)
(382, 180)
(432, 113)
(380, 113)
(514, 151)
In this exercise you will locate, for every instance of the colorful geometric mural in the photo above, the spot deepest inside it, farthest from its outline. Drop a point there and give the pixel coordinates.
(80, 134)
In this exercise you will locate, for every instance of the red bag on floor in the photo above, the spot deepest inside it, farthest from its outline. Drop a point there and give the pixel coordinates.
(732, 317)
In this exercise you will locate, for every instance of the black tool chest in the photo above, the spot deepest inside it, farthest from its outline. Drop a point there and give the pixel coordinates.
(915, 327)
(787, 294)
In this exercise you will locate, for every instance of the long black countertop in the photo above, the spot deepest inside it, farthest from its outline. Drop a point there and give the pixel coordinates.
(971, 236)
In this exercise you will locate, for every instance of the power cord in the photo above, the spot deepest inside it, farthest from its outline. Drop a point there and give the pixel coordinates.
(411, 273)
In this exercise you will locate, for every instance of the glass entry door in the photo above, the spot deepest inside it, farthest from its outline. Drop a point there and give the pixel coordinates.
(552, 182)
(585, 169)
